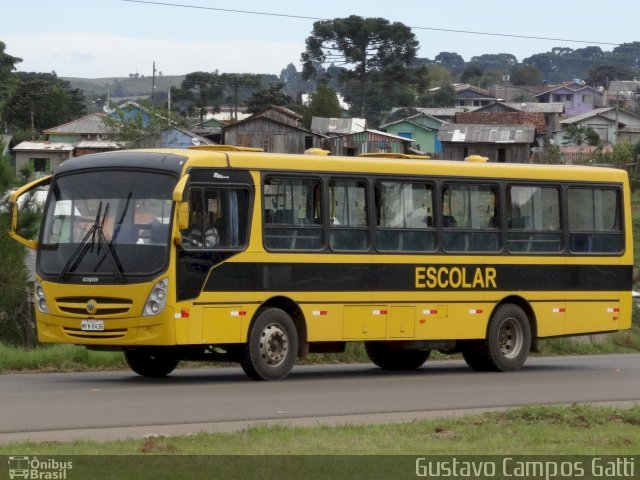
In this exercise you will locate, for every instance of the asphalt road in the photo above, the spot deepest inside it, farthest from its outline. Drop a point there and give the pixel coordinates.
(120, 404)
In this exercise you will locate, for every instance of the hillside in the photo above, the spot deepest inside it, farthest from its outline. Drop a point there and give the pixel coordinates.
(124, 87)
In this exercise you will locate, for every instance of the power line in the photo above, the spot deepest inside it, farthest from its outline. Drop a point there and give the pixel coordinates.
(435, 29)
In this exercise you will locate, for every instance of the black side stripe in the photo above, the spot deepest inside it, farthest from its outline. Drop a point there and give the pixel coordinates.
(328, 277)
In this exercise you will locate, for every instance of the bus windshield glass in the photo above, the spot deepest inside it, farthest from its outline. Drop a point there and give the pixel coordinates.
(107, 223)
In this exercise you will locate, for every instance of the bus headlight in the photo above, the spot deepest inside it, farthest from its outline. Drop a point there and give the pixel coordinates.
(157, 299)
(41, 301)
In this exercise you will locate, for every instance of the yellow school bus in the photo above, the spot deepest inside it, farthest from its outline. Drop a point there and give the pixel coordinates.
(225, 254)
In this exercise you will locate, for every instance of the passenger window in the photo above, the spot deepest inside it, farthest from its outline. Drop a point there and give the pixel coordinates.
(533, 219)
(404, 216)
(293, 214)
(470, 218)
(348, 215)
(595, 220)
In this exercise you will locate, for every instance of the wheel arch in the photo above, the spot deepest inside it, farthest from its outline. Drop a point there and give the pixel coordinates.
(291, 308)
(529, 312)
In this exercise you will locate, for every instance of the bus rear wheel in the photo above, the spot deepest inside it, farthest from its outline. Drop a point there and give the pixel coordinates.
(395, 359)
(151, 362)
(507, 345)
(272, 346)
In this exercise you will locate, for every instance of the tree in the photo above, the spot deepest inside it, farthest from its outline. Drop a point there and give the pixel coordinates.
(451, 61)
(444, 96)
(7, 77)
(202, 89)
(42, 100)
(502, 62)
(361, 44)
(135, 131)
(471, 74)
(627, 54)
(580, 135)
(264, 98)
(15, 323)
(526, 75)
(601, 75)
(324, 103)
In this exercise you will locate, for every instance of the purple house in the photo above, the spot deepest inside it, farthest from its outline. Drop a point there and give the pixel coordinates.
(577, 98)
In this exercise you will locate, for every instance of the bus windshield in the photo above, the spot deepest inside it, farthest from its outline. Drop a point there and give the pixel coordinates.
(107, 223)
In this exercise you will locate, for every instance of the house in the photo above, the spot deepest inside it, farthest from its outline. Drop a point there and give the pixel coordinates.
(500, 143)
(210, 129)
(612, 125)
(624, 93)
(43, 158)
(281, 115)
(367, 141)
(472, 96)
(275, 131)
(550, 111)
(337, 126)
(446, 114)
(421, 128)
(578, 98)
(89, 134)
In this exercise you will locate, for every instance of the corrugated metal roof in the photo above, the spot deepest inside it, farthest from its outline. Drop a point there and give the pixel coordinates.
(337, 125)
(443, 112)
(537, 107)
(98, 144)
(464, 133)
(92, 123)
(593, 113)
(45, 146)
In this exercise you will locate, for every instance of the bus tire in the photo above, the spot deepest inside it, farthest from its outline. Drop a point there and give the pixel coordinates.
(151, 362)
(395, 360)
(507, 345)
(272, 346)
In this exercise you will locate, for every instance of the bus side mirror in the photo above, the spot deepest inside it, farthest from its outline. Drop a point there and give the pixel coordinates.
(14, 198)
(183, 215)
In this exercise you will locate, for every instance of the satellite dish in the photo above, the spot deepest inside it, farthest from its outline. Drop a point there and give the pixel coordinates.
(108, 110)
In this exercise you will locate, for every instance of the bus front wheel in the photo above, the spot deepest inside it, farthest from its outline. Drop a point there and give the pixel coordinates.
(151, 362)
(507, 345)
(395, 360)
(272, 347)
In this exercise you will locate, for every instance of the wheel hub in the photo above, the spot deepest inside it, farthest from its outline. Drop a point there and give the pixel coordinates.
(273, 344)
(510, 338)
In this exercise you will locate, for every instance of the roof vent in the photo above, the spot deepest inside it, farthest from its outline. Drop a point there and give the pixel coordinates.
(316, 151)
(477, 159)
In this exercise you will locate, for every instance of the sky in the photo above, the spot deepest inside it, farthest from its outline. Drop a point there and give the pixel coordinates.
(115, 38)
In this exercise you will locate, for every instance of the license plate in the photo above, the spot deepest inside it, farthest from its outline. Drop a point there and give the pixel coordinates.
(92, 325)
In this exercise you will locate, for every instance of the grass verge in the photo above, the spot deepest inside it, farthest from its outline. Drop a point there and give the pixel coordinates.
(577, 430)
(59, 358)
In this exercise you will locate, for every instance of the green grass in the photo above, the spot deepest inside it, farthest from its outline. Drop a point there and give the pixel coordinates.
(57, 358)
(577, 429)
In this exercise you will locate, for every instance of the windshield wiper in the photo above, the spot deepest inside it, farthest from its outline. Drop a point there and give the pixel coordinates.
(84, 246)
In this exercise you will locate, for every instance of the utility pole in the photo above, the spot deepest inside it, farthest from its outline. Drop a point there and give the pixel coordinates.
(617, 112)
(235, 101)
(33, 126)
(153, 83)
(169, 105)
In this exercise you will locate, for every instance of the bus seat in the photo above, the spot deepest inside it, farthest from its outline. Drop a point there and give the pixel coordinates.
(449, 221)
(126, 234)
(159, 233)
(283, 217)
